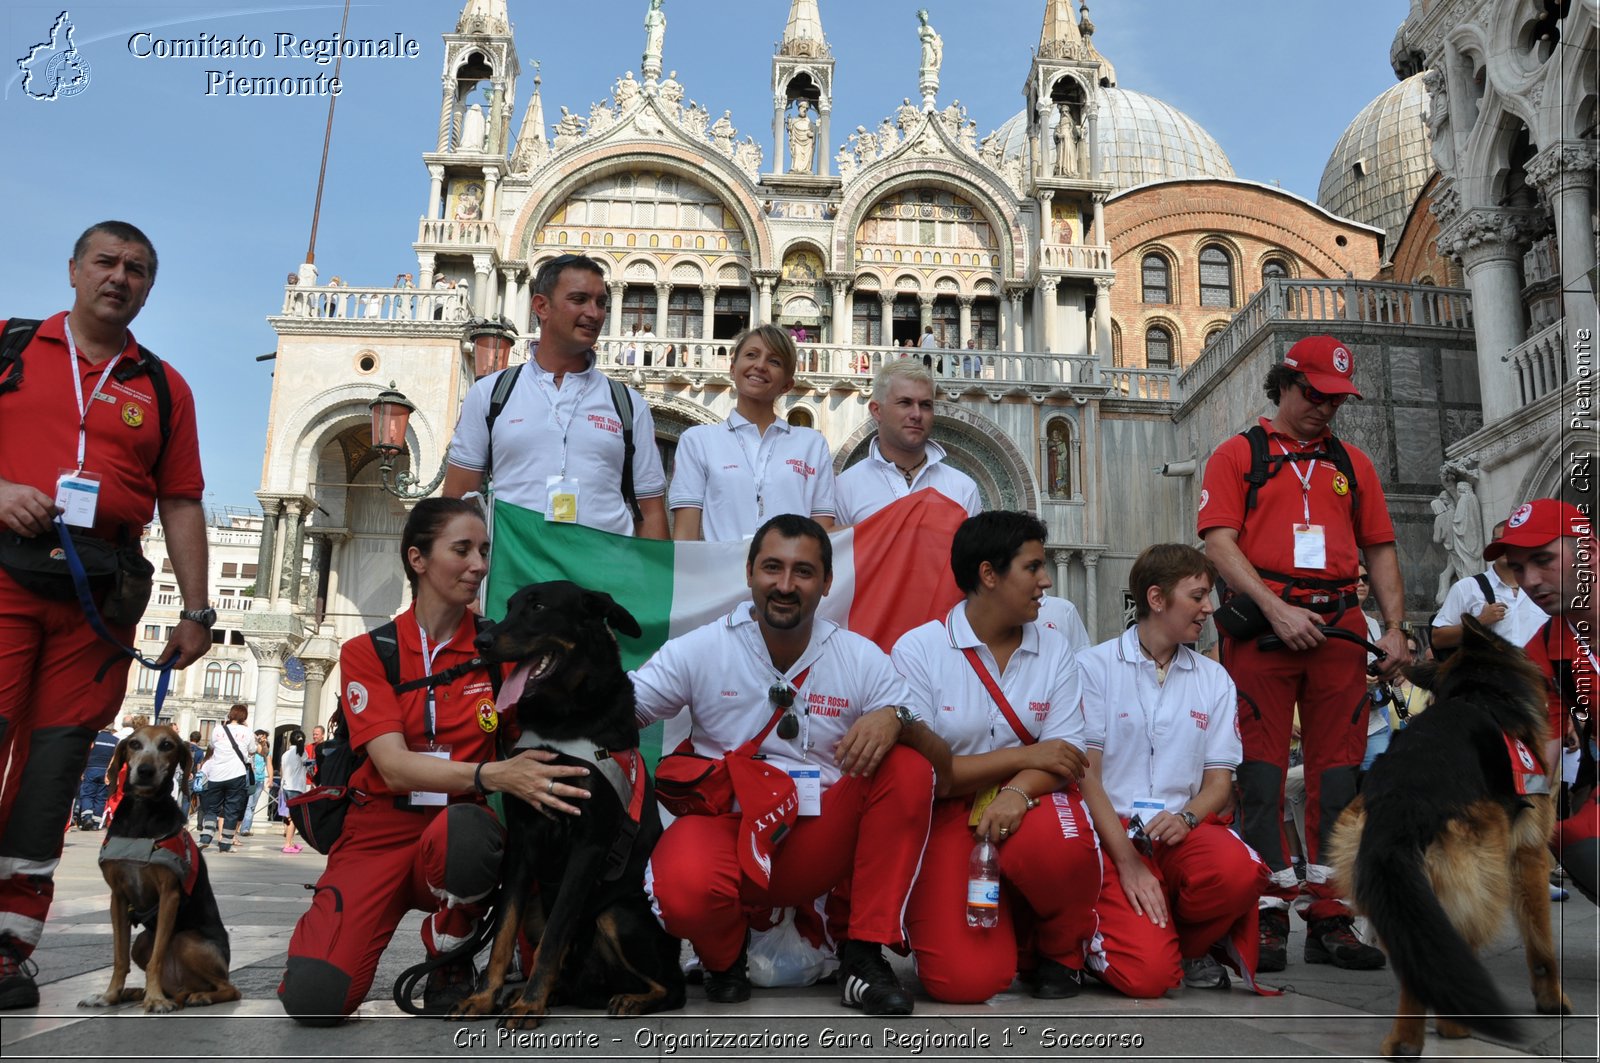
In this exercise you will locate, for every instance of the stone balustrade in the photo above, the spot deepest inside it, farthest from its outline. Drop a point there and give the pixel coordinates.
(825, 366)
(1075, 257)
(448, 232)
(376, 304)
(1540, 363)
(1375, 302)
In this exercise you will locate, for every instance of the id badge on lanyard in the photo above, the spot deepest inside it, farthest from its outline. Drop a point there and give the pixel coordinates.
(561, 499)
(78, 492)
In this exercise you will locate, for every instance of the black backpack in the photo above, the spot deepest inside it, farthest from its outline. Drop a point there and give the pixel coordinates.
(318, 814)
(19, 333)
(1264, 465)
(620, 400)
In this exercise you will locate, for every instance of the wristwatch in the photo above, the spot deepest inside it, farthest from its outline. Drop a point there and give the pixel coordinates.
(204, 617)
(1190, 818)
(905, 717)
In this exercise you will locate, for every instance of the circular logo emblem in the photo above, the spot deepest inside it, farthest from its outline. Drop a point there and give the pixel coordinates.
(1341, 360)
(1205, 496)
(58, 554)
(1520, 517)
(132, 414)
(1524, 756)
(488, 719)
(1341, 486)
(355, 695)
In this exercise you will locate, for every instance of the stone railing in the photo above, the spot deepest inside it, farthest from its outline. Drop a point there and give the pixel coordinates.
(824, 365)
(376, 304)
(1374, 302)
(1075, 256)
(447, 232)
(1540, 363)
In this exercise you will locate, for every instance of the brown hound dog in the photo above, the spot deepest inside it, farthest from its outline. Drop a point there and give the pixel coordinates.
(158, 879)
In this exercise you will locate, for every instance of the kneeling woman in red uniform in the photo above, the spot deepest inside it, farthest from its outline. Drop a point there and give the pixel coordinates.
(422, 837)
(1003, 691)
(1163, 745)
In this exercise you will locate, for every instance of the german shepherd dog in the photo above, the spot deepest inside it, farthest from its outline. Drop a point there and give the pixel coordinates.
(575, 884)
(1441, 843)
(158, 879)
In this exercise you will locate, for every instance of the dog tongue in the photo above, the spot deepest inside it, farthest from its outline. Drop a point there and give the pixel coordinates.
(511, 690)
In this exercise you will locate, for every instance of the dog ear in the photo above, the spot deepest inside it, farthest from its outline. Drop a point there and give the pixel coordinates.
(118, 759)
(1475, 634)
(604, 606)
(185, 761)
(1423, 674)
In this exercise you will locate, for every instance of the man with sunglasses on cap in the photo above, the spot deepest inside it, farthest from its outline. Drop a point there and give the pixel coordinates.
(556, 444)
(825, 707)
(1550, 547)
(1287, 512)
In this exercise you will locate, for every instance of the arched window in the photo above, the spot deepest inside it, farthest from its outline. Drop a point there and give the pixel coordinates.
(800, 417)
(213, 682)
(232, 680)
(1157, 277)
(1216, 277)
(1274, 269)
(1211, 336)
(1157, 347)
(1058, 457)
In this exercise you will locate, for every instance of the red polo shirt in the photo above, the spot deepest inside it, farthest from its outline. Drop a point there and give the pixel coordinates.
(1350, 519)
(1556, 641)
(39, 431)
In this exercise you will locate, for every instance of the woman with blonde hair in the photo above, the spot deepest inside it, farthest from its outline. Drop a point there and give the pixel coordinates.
(228, 779)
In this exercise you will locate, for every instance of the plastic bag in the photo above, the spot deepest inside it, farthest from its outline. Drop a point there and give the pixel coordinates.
(780, 956)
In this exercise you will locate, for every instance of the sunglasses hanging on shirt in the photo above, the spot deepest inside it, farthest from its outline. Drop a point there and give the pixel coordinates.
(782, 696)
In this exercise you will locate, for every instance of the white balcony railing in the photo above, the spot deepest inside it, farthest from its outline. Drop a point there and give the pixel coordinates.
(376, 304)
(1373, 302)
(448, 232)
(1075, 256)
(1540, 363)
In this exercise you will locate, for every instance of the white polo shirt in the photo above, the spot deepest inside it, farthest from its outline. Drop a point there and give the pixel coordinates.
(1061, 615)
(1523, 616)
(542, 425)
(1157, 740)
(721, 673)
(1040, 682)
(721, 470)
(874, 482)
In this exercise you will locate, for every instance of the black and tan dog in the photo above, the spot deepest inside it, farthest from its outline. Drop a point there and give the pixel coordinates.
(158, 879)
(1450, 832)
(598, 943)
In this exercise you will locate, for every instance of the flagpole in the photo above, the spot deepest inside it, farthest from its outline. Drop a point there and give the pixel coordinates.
(327, 138)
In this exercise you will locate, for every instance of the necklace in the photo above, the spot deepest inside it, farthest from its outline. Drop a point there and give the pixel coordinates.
(911, 473)
(1161, 666)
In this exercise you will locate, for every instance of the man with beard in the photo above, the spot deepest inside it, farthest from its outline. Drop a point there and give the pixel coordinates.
(826, 708)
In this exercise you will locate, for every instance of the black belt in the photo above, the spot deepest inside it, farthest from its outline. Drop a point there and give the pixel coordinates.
(1308, 583)
(1334, 605)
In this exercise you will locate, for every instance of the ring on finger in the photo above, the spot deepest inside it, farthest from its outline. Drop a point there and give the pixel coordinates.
(552, 788)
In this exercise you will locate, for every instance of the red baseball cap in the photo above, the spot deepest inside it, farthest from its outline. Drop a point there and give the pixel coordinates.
(1536, 523)
(1326, 363)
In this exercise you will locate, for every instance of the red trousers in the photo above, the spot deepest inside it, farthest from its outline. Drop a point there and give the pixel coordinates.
(388, 862)
(1329, 685)
(1050, 868)
(51, 706)
(1577, 845)
(869, 836)
(1211, 880)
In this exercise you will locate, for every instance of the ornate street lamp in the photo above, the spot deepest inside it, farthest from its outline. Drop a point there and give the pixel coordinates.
(391, 414)
(490, 343)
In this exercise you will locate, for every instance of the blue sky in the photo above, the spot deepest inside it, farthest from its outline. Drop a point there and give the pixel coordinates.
(225, 186)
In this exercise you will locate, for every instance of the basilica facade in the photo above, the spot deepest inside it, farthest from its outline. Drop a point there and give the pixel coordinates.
(1104, 291)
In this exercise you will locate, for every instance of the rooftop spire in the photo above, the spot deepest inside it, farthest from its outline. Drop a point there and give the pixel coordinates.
(802, 35)
(1058, 37)
(484, 16)
(532, 149)
(1108, 73)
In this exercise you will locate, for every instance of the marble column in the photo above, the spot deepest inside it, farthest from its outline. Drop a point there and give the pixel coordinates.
(1565, 173)
(266, 555)
(708, 316)
(663, 299)
(886, 309)
(1063, 563)
(293, 527)
(1093, 135)
(779, 104)
(614, 316)
(824, 113)
(1091, 594)
(447, 113)
(1014, 298)
(1102, 320)
(925, 313)
(764, 287)
(483, 289)
(491, 188)
(1099, 218)
(270, 655)
(1047, 308)
(840, 329)
(1489, 246)
(508, 299)
(311, 706)
(435, 192)
(966, 321)
(426, 264)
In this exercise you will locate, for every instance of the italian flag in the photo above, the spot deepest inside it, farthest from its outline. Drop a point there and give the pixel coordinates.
(891, 572)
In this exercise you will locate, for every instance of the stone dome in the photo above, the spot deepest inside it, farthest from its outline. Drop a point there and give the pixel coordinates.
(1380, 164)
(1141, 139)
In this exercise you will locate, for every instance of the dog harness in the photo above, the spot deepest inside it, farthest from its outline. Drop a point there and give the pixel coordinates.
(1526, 774)
(623, 769)
(176, 853)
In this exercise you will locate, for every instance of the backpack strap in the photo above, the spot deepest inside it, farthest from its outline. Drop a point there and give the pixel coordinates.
(1262, 468)
(623, 401)
(1340, 456)
(17, 335)
(503, 385)
(386, 643)
(1485, 586)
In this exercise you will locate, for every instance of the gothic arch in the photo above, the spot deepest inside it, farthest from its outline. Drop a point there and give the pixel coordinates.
(974, 444)
(954, 177)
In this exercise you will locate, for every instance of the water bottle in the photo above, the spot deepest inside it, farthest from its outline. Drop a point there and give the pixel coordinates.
(983, 886)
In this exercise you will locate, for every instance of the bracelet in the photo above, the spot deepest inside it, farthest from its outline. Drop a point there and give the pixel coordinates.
(1031, 802)
(477, 780)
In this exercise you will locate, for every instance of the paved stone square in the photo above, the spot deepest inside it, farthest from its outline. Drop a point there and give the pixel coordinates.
(1323, 1012)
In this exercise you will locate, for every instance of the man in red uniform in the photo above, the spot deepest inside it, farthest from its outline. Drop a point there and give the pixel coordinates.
(84, 419)
(1287, 517)
(1550, 546)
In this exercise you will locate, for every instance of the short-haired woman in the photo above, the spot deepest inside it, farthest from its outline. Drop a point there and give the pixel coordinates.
(1003, 691)
(1180, 888)
(729, 478)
